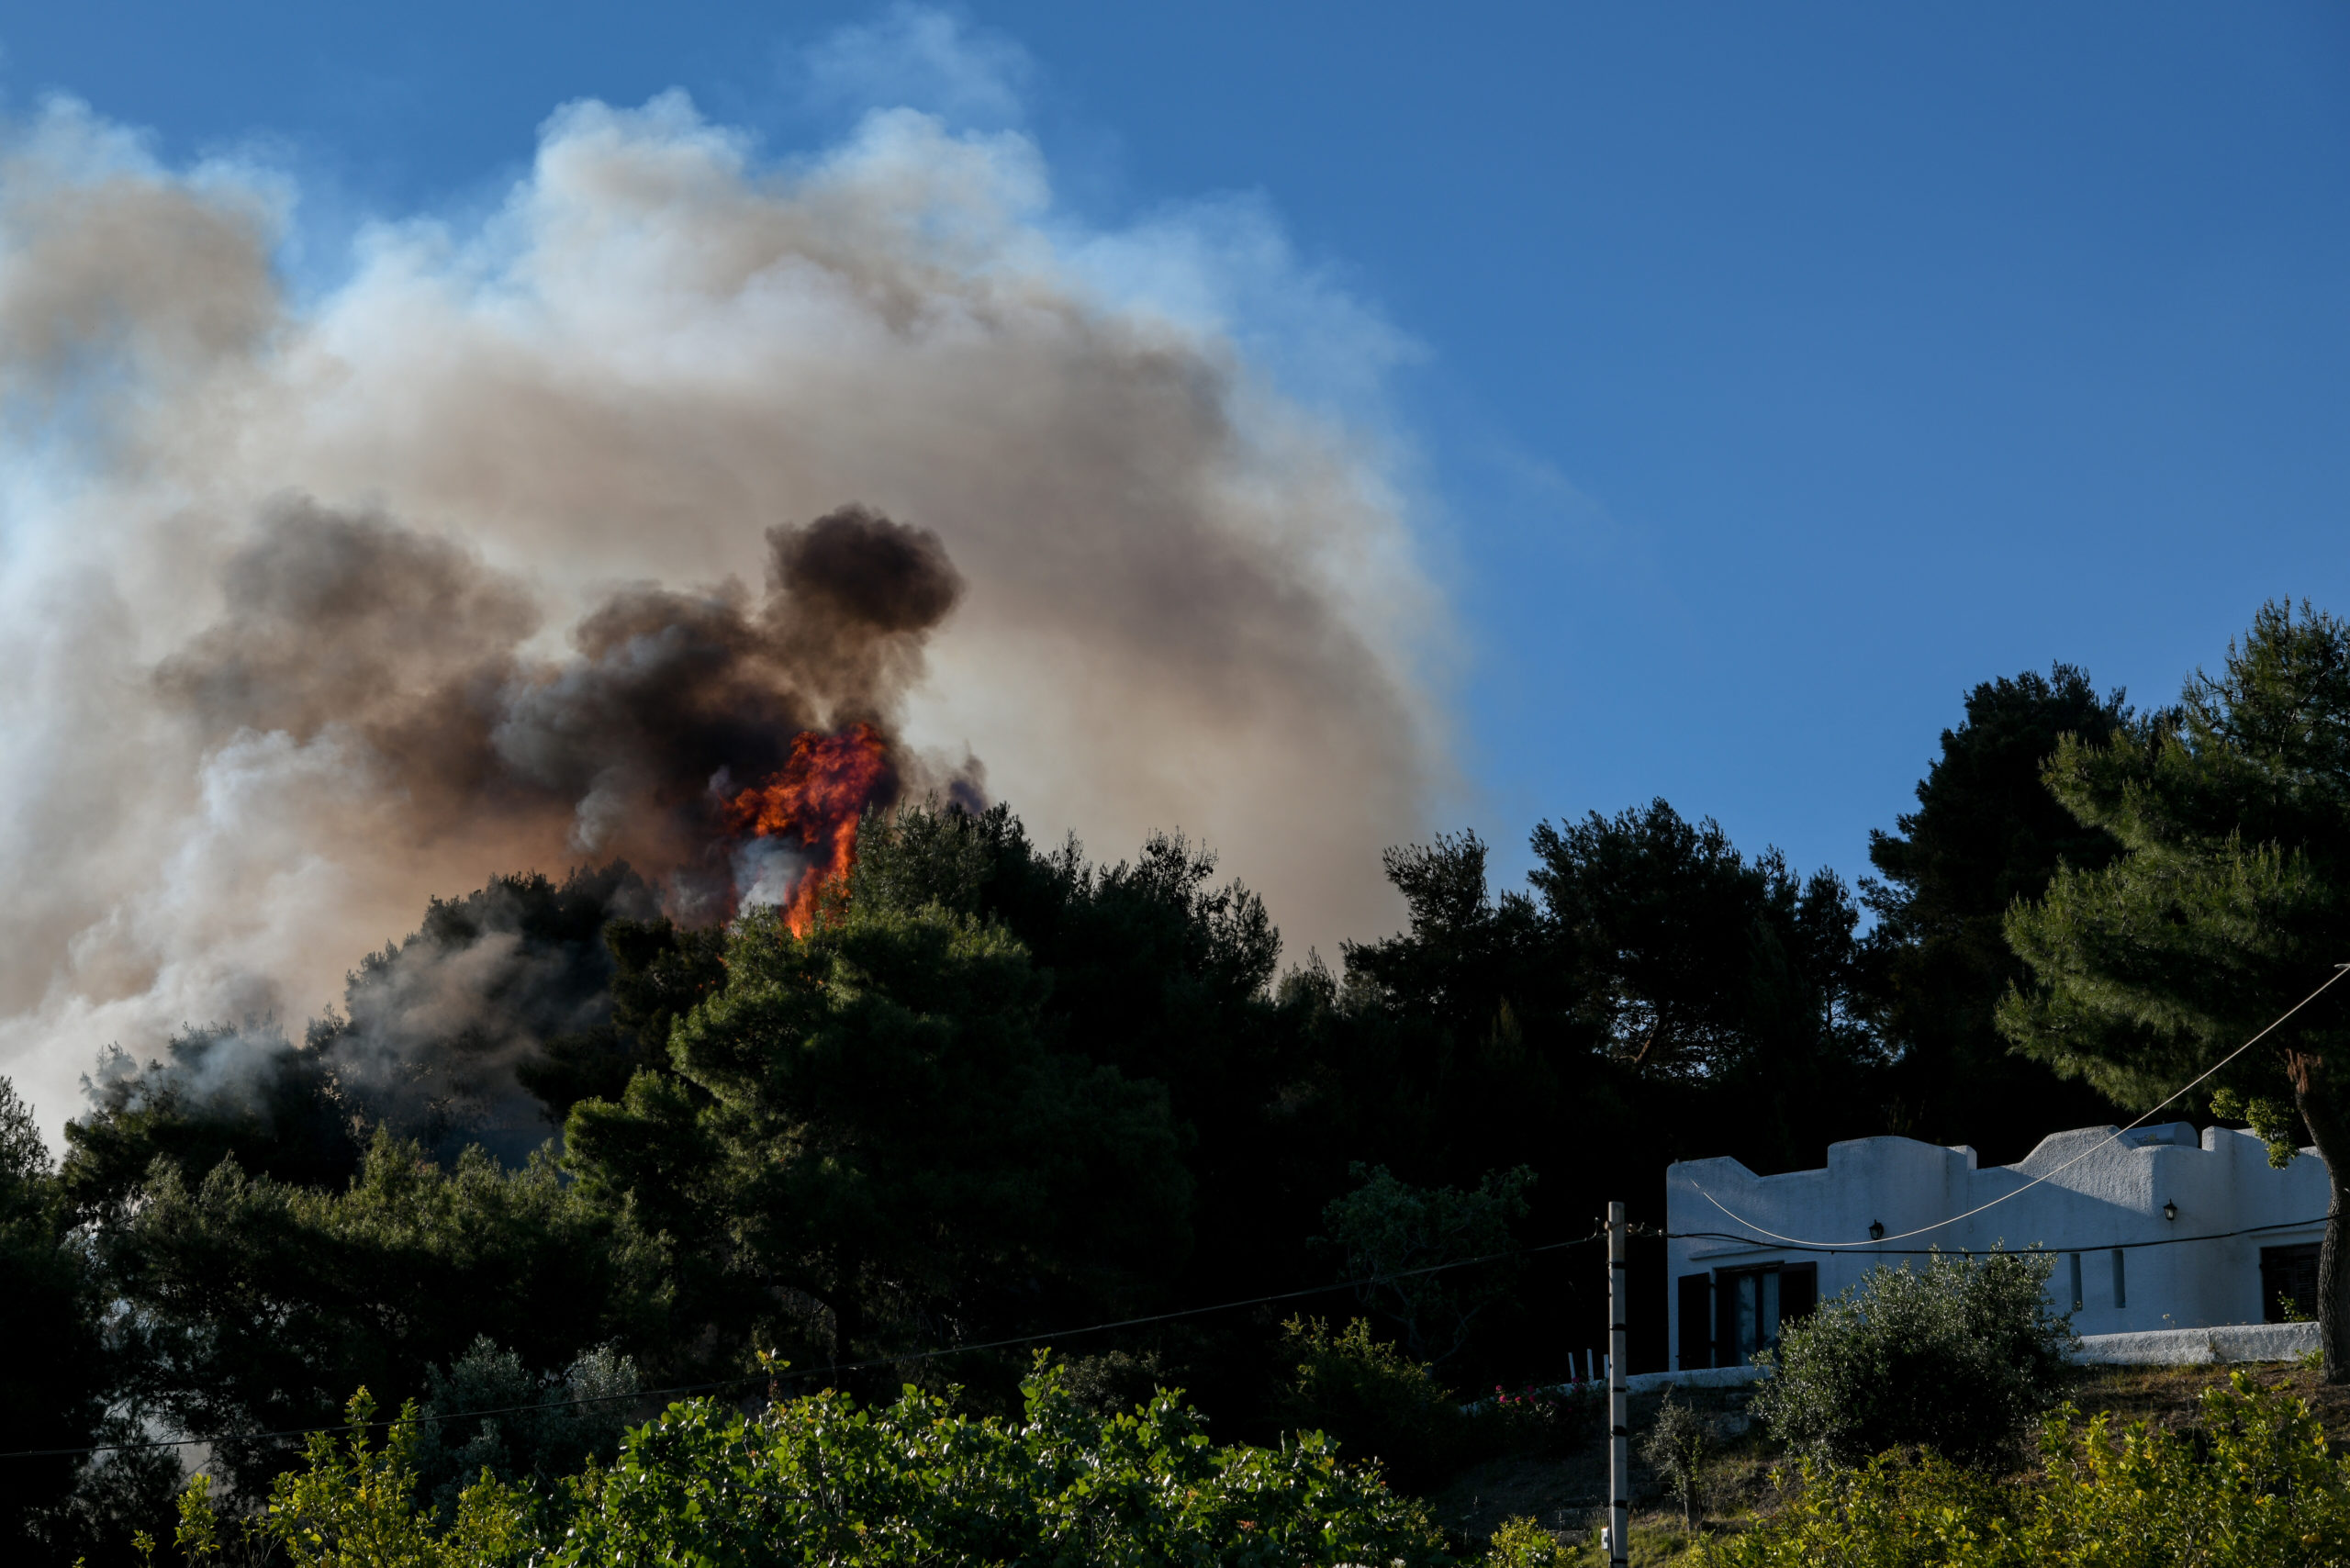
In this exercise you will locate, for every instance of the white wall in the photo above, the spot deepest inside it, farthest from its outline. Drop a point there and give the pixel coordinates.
(2113, 1196)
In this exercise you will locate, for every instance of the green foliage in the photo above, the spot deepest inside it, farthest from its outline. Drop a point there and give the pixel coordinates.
(534, 1425)
(1404, 1240)
(441, 1038)
(2229, 902)
(273, 1111)
(1987, 831)
(354, 1505)
(870, 1116)
(1522, 1543)
(1150, 968)
(2273, 1122)
(2254, 1487)
(1372, 1398)
(659, 973)
(821, 1480)
(1698, 962)
(53, 1386)
(1539, 1419)
(1899, 1510)
(249, 1300)
(1957, 1356)
(1679, 1446)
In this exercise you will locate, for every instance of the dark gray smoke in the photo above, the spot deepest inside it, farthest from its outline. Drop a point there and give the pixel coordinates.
(417, 654)
(440, 1036)
(1193, 595)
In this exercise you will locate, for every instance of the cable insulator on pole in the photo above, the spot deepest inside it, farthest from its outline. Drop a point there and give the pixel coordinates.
(1619, 1400)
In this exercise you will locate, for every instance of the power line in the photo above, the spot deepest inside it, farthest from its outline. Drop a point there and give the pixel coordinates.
(2339, 969)
(830, 1370)
(909, 1358)
(2035, 1247)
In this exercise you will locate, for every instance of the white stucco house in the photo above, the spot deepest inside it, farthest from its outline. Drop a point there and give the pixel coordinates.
(2158, 1229)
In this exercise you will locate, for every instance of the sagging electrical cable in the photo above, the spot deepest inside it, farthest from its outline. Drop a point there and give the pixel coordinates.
(2339, 969)
(832, 1369)
(2046, 1249)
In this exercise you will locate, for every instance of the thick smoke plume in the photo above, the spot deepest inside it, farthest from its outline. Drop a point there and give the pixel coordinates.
(520, 546)
(669, 708)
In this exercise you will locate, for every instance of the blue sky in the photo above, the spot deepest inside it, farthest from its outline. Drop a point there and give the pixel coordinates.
(1775, 373)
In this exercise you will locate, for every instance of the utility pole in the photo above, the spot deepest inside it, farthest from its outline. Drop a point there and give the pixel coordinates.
(1619, 1401)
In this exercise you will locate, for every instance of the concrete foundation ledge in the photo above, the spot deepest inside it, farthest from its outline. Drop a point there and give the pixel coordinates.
(2199, 1347)
(1696, 1377)
(2154, 1347)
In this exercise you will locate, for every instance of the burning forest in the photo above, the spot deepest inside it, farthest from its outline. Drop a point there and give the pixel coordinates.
(616, 594)
(711, 751)
(524, 548)
(724, 745)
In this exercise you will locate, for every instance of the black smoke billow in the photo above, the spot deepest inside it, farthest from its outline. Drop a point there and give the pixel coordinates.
(483, 1027)
(415, 651)
(487, 1022)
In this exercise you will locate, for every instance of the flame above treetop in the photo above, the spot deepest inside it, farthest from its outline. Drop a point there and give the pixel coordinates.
(817, 798)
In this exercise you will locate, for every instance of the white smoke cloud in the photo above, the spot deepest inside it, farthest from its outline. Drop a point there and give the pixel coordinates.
(919, 56)
(1193, 600)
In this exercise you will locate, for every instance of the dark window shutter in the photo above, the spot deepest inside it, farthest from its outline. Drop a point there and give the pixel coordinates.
(1696, 1322)
(2287, 1272)
(1798, 1292)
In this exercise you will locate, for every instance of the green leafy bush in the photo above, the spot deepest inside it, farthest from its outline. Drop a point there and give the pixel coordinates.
(1406, 1242)
(1958, 1357)
(2254, 1486)
(1538, 1419)
(821, 1480)
(542, 1425)
(1376, 1400)
(1522, 1543)
(1680, 1448)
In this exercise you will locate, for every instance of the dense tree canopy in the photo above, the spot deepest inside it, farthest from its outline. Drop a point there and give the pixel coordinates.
(53, 1387)
(255, 1305)
(2231, 899)
(868, 1119)
(997, 1091)
(1987, 833)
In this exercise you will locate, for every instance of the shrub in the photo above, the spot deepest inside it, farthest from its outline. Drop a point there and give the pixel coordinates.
(1377, 1401)
(1538, 1419)
(1406, 1242)
(545, 1425)
(2254, 1487)
(821, 1480)
(1957, 1356)
(1522, 1543)
(1678, 1448)
(1901, 1510)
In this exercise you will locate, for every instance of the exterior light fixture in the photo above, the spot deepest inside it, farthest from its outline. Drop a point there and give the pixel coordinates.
(1876, 1230)
(2170, 1210)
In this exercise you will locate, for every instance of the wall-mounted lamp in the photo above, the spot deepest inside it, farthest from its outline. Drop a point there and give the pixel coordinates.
(2170, 1210)
(1876, 1230)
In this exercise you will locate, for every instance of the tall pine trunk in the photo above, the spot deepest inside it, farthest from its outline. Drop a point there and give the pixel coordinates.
(2318, 1100)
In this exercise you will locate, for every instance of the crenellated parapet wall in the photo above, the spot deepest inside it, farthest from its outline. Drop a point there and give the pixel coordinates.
(2158, 1229)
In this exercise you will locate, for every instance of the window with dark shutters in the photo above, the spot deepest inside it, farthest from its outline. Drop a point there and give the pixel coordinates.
(1697, 1347)
(2288, 1273)
(1798, 1292)
(1750, 1304)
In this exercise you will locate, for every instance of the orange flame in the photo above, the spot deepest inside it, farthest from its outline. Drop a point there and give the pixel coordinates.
(817, 795)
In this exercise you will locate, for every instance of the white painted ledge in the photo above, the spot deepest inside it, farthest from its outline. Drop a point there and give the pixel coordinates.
(2199, 1347)
(2154, 1348)
(1696, 1377)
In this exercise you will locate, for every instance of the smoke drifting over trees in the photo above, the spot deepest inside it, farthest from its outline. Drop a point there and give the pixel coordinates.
(413, 651)
(324, 604)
